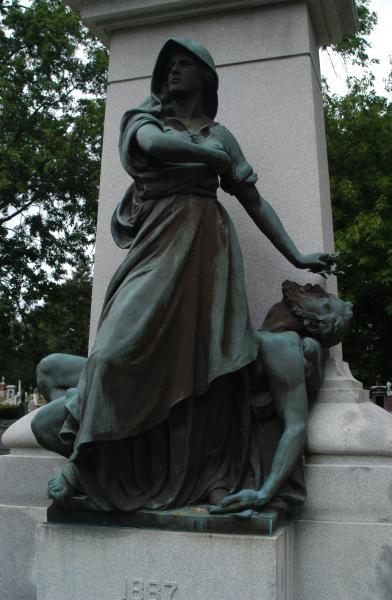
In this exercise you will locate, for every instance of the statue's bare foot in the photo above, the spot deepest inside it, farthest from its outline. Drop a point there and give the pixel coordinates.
(82, 503)
(60, 490)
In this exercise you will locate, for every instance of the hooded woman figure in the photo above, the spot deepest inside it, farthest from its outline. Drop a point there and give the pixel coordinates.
(160, 417)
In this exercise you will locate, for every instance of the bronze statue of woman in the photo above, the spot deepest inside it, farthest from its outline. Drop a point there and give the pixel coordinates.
(161, 415)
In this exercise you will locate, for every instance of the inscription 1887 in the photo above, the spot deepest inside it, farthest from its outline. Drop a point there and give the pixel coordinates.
(140, 589)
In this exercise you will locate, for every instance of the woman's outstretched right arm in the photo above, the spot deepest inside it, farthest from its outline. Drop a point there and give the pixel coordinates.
(166, 146)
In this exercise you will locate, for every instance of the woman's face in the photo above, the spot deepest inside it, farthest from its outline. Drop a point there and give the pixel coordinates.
(184, 75)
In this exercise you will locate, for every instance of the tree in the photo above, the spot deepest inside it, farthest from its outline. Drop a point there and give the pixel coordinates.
(359, 138)
(52, 81)
(354, 48)
(59, 324)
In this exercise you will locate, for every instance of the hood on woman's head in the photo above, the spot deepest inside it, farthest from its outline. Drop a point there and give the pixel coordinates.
(202, 56)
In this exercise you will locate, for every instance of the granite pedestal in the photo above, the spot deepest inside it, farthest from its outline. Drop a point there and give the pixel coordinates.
(106, 563)
(24, 474)
(343, 533)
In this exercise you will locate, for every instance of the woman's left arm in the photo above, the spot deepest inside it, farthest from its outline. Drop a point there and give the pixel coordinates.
(266, 219)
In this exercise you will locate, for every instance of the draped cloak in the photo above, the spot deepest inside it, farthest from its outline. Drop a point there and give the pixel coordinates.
(161, 414)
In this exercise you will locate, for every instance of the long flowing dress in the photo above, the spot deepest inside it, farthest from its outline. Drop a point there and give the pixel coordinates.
(161, 416)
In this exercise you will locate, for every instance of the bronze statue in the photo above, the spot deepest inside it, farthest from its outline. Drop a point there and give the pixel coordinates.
(161, 414)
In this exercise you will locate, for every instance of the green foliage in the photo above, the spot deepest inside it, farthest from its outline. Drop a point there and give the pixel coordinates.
(9, 412)
(52, 88)
(354, 48)
(59, 324)
(359, 136)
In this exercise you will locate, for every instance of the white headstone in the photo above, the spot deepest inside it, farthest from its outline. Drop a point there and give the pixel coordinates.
(10, 394)
(2, 388)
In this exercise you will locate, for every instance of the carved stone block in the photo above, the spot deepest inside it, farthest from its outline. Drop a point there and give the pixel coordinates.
(112, 563)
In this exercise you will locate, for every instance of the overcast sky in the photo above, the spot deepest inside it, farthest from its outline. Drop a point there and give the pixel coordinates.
(381, 41)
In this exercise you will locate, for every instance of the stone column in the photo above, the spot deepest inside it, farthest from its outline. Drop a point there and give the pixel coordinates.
(267, 59)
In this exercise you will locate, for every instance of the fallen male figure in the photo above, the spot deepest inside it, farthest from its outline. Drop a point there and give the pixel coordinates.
(282, 381)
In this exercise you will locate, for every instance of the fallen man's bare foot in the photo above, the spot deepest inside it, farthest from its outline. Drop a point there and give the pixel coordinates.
(60, 490)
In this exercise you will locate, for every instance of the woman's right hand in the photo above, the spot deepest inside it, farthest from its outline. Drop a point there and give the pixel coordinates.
(219, 160)
(222, 164)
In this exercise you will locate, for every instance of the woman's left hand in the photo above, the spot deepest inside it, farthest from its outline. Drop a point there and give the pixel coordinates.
(322, 263)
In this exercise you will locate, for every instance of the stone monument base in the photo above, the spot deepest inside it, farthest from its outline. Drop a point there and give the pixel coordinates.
(337, 560)
(24, 474)
(187, 518)
(113, 563)
(23, 501)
